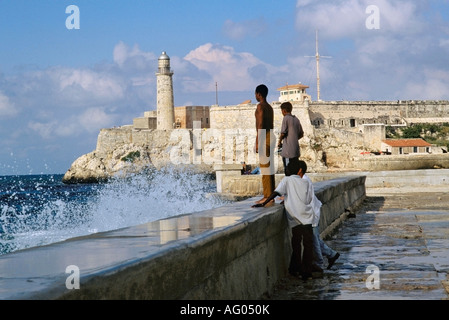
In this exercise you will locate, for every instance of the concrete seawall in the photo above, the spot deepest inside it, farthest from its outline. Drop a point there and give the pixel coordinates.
(232, 252)
(396, 181)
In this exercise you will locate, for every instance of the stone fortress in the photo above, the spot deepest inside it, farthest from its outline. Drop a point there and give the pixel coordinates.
(339, 135)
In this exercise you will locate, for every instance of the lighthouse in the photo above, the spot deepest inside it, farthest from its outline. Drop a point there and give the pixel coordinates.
(165, 101)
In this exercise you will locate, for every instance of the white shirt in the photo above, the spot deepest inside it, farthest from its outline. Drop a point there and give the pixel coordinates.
(297, 199)
(316, 203)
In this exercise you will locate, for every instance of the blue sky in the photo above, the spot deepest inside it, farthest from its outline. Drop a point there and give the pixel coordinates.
(59, 86)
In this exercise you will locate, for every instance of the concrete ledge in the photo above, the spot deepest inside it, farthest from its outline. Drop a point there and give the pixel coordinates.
(398, 179)
(232, 252)
(338, 196)
(402, 162)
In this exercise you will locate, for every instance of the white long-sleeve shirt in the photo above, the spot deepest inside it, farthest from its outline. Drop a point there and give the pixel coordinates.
(316, 203)
(297, 199)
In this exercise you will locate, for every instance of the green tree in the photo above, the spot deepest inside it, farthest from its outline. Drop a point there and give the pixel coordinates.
(412, 132)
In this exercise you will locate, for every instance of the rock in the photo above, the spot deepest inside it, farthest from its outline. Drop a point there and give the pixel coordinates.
(94, 167)
(124, 150)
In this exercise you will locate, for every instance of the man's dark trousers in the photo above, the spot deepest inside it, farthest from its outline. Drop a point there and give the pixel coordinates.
(302, 255)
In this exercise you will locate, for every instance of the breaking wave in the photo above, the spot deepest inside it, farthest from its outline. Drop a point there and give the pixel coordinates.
(38, 210)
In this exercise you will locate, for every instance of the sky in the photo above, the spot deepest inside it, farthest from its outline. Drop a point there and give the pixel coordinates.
(70, 68)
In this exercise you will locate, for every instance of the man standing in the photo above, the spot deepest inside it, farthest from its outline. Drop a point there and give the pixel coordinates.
(291, 132)
(264, 126)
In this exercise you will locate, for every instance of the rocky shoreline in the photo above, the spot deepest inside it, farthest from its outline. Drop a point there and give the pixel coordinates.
(124, 150)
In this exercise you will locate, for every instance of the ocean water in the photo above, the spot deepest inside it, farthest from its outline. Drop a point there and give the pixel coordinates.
(39, 209)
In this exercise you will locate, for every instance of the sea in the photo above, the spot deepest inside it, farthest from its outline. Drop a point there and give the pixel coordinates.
(37, 210)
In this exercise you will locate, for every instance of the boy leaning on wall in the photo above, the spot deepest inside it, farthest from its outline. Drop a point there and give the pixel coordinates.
(298, 205)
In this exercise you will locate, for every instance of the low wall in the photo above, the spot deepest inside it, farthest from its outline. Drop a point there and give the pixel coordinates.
(401, 162)
(231, 252)
(421, 180)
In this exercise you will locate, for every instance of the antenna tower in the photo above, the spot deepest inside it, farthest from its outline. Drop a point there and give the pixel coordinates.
(317, 56)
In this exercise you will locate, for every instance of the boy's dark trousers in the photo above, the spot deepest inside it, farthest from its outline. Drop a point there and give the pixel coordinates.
(302, 256)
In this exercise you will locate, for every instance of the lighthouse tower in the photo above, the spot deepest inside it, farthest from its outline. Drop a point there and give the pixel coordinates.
(165, 101)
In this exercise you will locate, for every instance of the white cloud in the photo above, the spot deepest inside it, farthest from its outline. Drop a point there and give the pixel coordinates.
(64, 87)
(71, 102)
(241, 30)
(432, 83)
(392, 62)
(303, 3)
(7, 108)
(123, 53)
(444, 43)
(95, 85)
(234, 71)
(347, 18)
(90, 121)
(44, 92)
(94, 119)
(402, 17)
(334, 19)
(45, 130)
(120, 53)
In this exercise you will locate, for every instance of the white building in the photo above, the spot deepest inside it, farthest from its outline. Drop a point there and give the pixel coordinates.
(294, 92)
(405, 146)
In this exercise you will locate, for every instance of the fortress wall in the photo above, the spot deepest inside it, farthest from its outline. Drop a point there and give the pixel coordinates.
(401, 162)
(387, 112)
(340, 137)
(231, 138)
(109, 139)
(338, 114)
(373, 136)
(234, 252)
(333, 139)
(426, 109)
(242, 116)
(238, 117)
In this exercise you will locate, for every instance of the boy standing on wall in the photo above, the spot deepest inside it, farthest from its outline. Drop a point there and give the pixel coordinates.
(264, 139)
(300, 213)
(291, 132)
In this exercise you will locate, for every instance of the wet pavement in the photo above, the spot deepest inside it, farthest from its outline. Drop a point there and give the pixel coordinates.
(395, 248)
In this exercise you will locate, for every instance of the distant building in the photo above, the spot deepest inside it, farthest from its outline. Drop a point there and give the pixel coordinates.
(187, 115)
(184, 118)
(405, 146)
(167, 117)
(293, 93)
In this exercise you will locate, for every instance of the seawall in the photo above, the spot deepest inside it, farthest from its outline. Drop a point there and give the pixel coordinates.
(347, 114)
(231, 252)
(336, 134)
(396, 181)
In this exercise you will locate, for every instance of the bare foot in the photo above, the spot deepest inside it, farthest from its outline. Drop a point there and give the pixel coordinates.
(269, 204)
(261, 200)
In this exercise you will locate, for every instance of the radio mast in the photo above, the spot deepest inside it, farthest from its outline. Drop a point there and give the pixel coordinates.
(317, 56)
